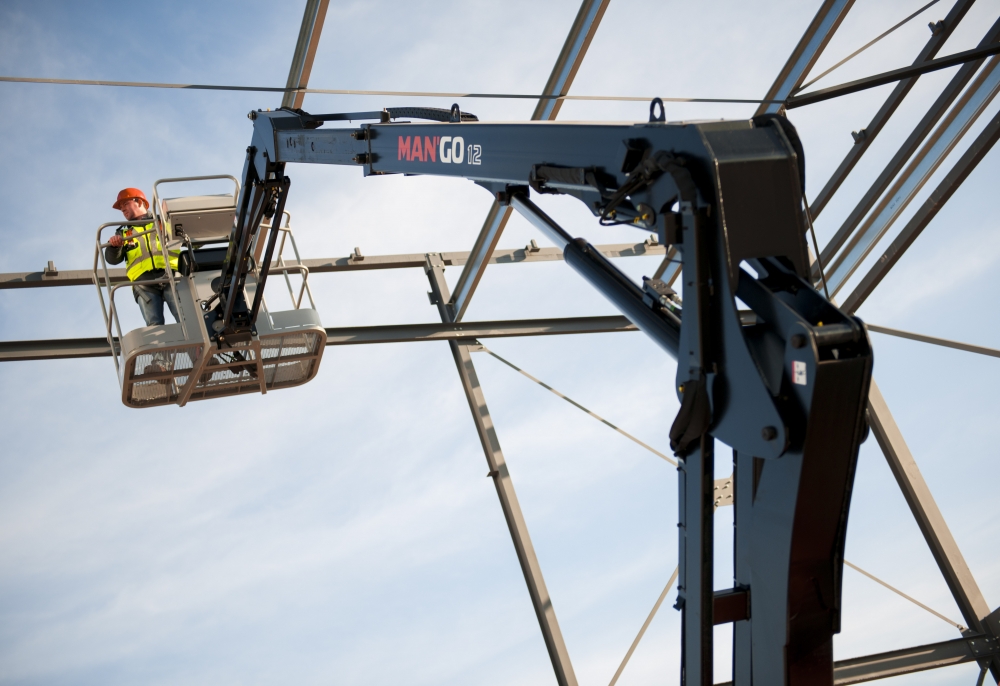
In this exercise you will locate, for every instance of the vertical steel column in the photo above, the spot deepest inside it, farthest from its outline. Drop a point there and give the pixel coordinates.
(932, 525)
(565, 69)
(744, 477)
(505, 487)
(810, 47)
(305, 51)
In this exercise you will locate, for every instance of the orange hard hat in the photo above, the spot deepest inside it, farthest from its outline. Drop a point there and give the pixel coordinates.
(128, 194)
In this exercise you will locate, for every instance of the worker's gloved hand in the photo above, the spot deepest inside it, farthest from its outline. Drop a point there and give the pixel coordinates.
(116, 241)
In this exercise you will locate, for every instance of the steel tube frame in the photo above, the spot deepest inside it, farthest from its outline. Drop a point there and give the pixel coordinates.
(551, 633)
(322, 265)
(906, 151)
(902, 89)
(313, 19)
(914, 227)
(72, 348)
(919, 170)
(909, 660)
(932, 524)
(581, 33)
(809, 48)
(857, 670)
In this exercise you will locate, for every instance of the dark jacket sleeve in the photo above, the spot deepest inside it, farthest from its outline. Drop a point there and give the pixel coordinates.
(115, 255)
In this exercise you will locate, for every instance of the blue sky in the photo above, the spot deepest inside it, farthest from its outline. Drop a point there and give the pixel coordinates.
(345, 531)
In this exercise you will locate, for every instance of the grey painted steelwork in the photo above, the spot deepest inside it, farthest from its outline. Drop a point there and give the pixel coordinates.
(551, 633)
(581, 33)
(351, 263)
(919, 170)
(482, 249)
(819, 32)
(54, 349)
(932, 525)
(906, 150)
(909, 660)
(72, 348)
(870, 132)
(305, 52)
(470, 331)
(857, 670)
(914, 227)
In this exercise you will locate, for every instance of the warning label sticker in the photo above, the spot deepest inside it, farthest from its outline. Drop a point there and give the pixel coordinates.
(799, 373)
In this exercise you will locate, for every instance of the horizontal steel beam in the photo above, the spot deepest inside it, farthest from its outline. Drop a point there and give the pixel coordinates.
(54, 349)
(410, 333)
(858, 670)
(71, 348)
(84, 277)
(892, 76)
(909, 660)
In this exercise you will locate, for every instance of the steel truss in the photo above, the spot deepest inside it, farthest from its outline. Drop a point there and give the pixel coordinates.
(972, 88)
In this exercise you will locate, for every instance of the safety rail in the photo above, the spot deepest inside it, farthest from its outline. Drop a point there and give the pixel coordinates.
(158, 202)
(109, 309)
(179, 363)
(162, 212)
(280, 265)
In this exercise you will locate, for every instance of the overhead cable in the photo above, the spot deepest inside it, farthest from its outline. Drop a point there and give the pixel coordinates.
(943, 342)
(900, 593)
(413, 94)
(866, 46)
(645, 625)
(581, 407)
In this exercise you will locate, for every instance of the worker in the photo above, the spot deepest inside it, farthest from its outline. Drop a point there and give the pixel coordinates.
(143, 256)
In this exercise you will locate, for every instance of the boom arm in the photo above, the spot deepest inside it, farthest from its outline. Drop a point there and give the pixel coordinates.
(784, 385)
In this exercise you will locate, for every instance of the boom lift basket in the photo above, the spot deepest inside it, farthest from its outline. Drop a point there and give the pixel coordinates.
(177, 363)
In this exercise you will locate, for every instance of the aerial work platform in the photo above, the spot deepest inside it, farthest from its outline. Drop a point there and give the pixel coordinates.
(178, 363)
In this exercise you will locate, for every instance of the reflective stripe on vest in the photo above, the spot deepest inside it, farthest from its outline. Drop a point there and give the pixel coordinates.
(144, 253)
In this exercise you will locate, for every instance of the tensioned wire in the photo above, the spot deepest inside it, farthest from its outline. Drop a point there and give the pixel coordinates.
(447, 94)
(673, 577)
(580, 407)
(333, 91)
(866, 46)
(441, 94)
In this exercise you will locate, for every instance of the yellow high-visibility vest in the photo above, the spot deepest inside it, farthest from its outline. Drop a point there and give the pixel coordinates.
(144, 253)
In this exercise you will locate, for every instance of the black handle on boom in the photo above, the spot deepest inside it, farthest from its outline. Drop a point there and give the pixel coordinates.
(787, 392)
